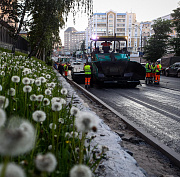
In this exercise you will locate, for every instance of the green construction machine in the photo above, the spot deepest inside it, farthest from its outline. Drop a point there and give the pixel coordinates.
(111, 62)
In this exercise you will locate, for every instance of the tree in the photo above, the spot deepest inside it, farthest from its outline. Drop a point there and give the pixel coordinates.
(175, 42)
(158, 42)
(48, 16)
(15, 12)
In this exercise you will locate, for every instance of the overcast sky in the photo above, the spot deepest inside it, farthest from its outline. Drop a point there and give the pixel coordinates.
(146, 10)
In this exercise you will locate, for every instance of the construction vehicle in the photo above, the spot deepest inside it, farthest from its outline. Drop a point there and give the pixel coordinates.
(111, 62)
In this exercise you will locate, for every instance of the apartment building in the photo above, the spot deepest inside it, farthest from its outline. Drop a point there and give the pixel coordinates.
(121, 24)
(73, 39)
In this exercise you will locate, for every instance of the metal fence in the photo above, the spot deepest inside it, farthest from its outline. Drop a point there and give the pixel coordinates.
(7, 40)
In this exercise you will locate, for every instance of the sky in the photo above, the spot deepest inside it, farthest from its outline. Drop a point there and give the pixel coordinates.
(146, 10)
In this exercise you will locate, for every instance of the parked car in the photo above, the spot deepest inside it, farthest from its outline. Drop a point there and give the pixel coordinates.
(173, 70)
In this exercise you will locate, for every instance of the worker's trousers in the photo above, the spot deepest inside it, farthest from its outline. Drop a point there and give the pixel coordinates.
(65, 73)
(87, 80)
(157, 77)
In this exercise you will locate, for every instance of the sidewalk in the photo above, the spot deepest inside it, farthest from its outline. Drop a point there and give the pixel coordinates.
(118, 162)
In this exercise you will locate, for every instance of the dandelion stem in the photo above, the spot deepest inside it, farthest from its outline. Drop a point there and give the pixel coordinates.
(81, 148)
(3, 172)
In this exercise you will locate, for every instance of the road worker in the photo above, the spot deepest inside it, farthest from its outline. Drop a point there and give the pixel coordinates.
(153, 71)
(65, 70)
(87, 70)
(148, 72)
(157, 72)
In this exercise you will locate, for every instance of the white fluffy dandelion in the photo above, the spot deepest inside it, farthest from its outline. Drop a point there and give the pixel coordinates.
(55, 99)
(33, 97)
(4, 102)
(26, 80)
(46, 102)
(13, 170)
(11, 92)
(61, 120)
(27, 88)
(80, 171)
(48, 76)
(17, 139)
(86, 121)
(52, 126)
(39, 97)
(47, 92)
(64, 91)
(62, 101)
(46, 162)
(0, 87)
(37, 82)
(56, 106)
(2, 117)
(74, 111)
(42, 79)
(31, 81)
(75, 134)
(15, 79)
(39, 116)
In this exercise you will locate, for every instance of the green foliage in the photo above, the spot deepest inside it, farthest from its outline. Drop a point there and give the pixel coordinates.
(157, 44)
(175, 42)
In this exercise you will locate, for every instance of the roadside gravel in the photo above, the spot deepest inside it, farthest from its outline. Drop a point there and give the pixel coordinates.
(152, 161)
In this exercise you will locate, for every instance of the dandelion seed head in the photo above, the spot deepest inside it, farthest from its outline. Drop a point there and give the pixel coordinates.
(31, 81)
(13, 170)
(17, 138)
(62, 101)
(3, 73)
(75, 134)
(67, 135)
(4, 102)
(55, 99)
(56, 106)
(52, 125)
(27, 88)
(26, 80)
(39, 97)
(48, 76)
(42, 79)
(0, 87)
(86, 121)
(64, 91)
(61, 120)
(15, 79)
(2, 117)
(46, 162)
(38, 82)
(47, 92)
(80, 171)
(74, 111)
(33, 97)
(46, 102)
(39, 116)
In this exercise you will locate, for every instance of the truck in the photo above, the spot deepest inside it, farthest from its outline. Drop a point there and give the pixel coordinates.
(111, 62)
(167, 61)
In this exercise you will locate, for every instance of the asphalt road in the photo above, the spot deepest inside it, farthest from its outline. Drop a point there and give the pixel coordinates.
(156, 108)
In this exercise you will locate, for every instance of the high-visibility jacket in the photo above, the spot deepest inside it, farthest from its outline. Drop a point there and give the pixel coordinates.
(87, 69)
(158, 67)
(153, 68)
(65, 67)
(148, 68)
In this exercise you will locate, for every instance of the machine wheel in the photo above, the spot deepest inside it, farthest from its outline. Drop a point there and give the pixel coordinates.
(166, 73)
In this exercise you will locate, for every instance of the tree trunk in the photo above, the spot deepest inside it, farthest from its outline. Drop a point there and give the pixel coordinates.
(19, 28)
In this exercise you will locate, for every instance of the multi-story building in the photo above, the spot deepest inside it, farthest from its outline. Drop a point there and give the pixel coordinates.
(121, 24)
(73, 39)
